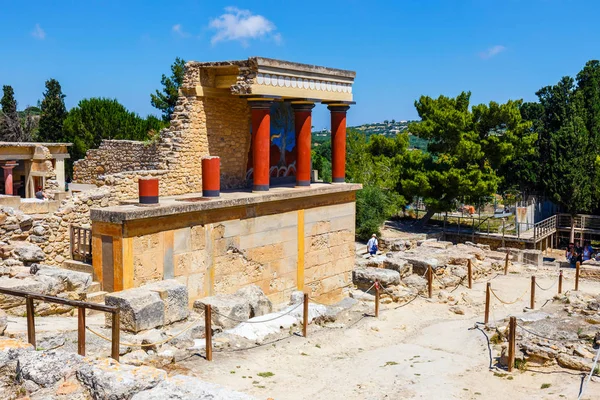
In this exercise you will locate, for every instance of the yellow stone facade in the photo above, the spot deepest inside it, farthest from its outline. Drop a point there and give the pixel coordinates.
(309, 248)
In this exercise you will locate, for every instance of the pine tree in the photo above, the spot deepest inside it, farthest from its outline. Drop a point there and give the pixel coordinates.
(54, 113)
(167, 100)
(10, 125)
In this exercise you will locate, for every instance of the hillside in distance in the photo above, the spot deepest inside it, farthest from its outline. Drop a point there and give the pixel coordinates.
(387, 128)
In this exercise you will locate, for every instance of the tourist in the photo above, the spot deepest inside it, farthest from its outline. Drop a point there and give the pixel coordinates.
(372, 245)
(588, 250)
(40, 194)
(571, 255)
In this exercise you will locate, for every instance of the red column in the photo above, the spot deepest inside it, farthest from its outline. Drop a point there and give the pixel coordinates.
(211, 176)
(338, 142)
(303, 125)
(8, 176)
(261, 144)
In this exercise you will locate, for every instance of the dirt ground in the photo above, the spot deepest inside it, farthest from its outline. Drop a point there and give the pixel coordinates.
(420, 351)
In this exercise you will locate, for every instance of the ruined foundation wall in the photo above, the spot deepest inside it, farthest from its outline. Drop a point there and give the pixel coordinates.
(274, 251)
(114, 156)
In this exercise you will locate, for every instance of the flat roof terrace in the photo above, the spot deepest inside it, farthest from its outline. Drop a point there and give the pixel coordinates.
(194, 202)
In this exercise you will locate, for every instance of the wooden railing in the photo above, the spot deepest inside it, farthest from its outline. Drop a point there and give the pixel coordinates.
(81, 307)
(81, 243)
(545, 228)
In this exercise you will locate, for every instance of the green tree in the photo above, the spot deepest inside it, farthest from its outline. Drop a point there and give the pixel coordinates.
(13, 127)
(166, 100)
(53, 113)
(96, 119)
(457, 166)
(570, 167)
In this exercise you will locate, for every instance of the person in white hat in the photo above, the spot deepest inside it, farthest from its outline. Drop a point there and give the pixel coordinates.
(372, 245)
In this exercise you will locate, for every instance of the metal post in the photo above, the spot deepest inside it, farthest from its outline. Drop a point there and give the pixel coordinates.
(512, 337)
(487, 303)
(470, 273)
(532, 302)
(30, 321)
(208, 331)
(376, 299)
(577, 276)
(430, 281)
(116, 333)
(560, 277)
(506, 264)
(305, 315)
(81, 331)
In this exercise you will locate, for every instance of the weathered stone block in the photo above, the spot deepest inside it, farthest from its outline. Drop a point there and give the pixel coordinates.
(25, 285)
(187, 387)
(141, 309)
(198, 237)
(402, 266)
(228, 310)
(175, 297)
(259, 303)
(365, 277)
(533, 257)
(74, 281)
(182, 241)
(28, 253)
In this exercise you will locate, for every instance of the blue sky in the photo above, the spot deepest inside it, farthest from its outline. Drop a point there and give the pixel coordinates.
(400, 50)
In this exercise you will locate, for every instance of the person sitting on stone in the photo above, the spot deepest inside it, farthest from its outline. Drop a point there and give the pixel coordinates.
(372, 245)
(40, 194)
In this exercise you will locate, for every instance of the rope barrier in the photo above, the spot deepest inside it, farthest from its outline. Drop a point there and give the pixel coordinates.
(548, 288)
(256, 322)
(506, 302)
(188, 327)
(589, 378)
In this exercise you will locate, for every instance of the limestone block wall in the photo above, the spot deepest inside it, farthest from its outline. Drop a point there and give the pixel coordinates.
(114, 156)
(282, 246)
(306, 249)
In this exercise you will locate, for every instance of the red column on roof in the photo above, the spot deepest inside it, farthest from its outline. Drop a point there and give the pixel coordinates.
(211, 176)
(338, 142)
(303, 125)
(261, 143)
(8, 176)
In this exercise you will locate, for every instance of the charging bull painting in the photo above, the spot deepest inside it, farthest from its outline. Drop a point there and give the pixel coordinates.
(283, 143)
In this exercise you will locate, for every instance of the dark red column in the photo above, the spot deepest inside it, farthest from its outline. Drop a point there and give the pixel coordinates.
(8, 176)
(148, 190)
(261, 144)
(338, 142)
(303, 125)
(211, 176)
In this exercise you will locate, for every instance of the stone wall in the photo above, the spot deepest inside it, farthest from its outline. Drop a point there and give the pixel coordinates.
(114, 156)
(311, 249)
(217, 126)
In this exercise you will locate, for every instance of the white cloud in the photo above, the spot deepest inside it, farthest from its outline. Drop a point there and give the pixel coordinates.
(38, 32)
(242, 25)
(178, 30)
(492, 51)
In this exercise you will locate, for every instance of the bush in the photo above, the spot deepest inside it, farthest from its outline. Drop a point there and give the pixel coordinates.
(373, 206)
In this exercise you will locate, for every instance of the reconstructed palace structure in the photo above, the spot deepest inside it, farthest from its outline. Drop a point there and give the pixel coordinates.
(270, 226)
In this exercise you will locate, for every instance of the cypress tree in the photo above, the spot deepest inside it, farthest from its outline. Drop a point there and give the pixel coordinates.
(54, 113)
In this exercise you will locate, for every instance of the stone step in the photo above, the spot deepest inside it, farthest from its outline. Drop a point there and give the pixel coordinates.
(94, 287)
(79, 266)
(95, 297)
